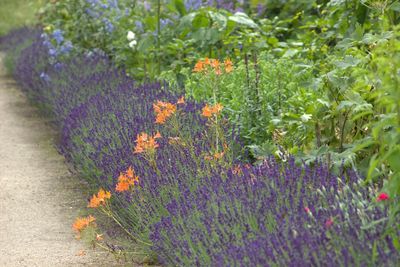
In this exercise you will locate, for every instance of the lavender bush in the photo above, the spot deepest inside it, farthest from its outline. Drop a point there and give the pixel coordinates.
(274, 215)
(196, 211)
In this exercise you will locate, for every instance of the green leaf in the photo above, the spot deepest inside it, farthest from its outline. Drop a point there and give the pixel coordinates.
(374, 223)
(394, 159)
(145, 43)
(242, 18)
(200, 21)
(179, 5)
(186, 21)
(395, 6)
(348, 61)
(219, 18)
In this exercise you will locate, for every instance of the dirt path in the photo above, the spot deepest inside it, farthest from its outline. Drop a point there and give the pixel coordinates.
(39, 198)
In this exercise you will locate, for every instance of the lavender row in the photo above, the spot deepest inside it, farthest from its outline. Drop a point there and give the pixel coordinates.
(197, 212)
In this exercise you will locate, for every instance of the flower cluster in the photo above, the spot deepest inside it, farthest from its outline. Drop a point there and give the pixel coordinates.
(126, 180)
(144, 142)
(204, 66)
(99, 199)
(107, 12)
(163, 111)
(56, 44)
(210, 111)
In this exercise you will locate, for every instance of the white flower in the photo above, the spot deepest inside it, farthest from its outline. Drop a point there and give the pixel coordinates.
(132, 44)
(130, 36)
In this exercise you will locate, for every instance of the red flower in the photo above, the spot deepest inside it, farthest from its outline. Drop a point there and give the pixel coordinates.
(306, 209)
(382, 196)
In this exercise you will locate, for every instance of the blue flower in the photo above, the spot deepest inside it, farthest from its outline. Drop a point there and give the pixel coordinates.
(108, 25)
(113, 3)
(58, 36)
(58, 66)
(165, 22)
(147, 5)
(192, 4)
(47, 44)
(66, 48)
(53, 52)
(139, 25)
(45, 77)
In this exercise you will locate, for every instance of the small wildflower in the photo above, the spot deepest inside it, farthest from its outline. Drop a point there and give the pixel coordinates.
(219, 155)
(132, 44)
(199, 67)
(157, 135)
(144, 142)
(214, 63)
(382, 197)
(237, 170)
(209, 111)
(125, 181)
(83, 222)
(181, 100)
(228, 65)
(163, 111)
(99, 199)
(130, 172)
(130, 36)
(306, 209)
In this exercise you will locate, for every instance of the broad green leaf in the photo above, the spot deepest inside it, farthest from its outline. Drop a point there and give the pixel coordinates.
(242, 18)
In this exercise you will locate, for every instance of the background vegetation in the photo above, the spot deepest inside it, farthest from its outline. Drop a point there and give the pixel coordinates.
(317, 80)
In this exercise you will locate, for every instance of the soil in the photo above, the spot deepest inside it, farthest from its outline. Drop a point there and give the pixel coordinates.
(39, 197)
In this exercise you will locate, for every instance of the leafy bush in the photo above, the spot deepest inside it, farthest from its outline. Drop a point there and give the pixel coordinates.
(265, 97)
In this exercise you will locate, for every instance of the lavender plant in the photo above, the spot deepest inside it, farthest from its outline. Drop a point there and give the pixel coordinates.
(274, 215)
(197, 211)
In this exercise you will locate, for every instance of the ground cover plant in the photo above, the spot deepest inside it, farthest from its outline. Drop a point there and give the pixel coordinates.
(158, 112)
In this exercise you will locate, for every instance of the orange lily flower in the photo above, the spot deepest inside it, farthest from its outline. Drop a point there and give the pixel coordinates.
(99, 199)
(163, 111)
(83, 222)
(144, 143)
(209, 111)
(126, 180)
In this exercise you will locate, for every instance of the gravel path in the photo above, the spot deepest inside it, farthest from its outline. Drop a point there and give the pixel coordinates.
(39, 198)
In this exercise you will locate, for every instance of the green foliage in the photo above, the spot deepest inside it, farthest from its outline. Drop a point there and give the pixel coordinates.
(267, 98)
